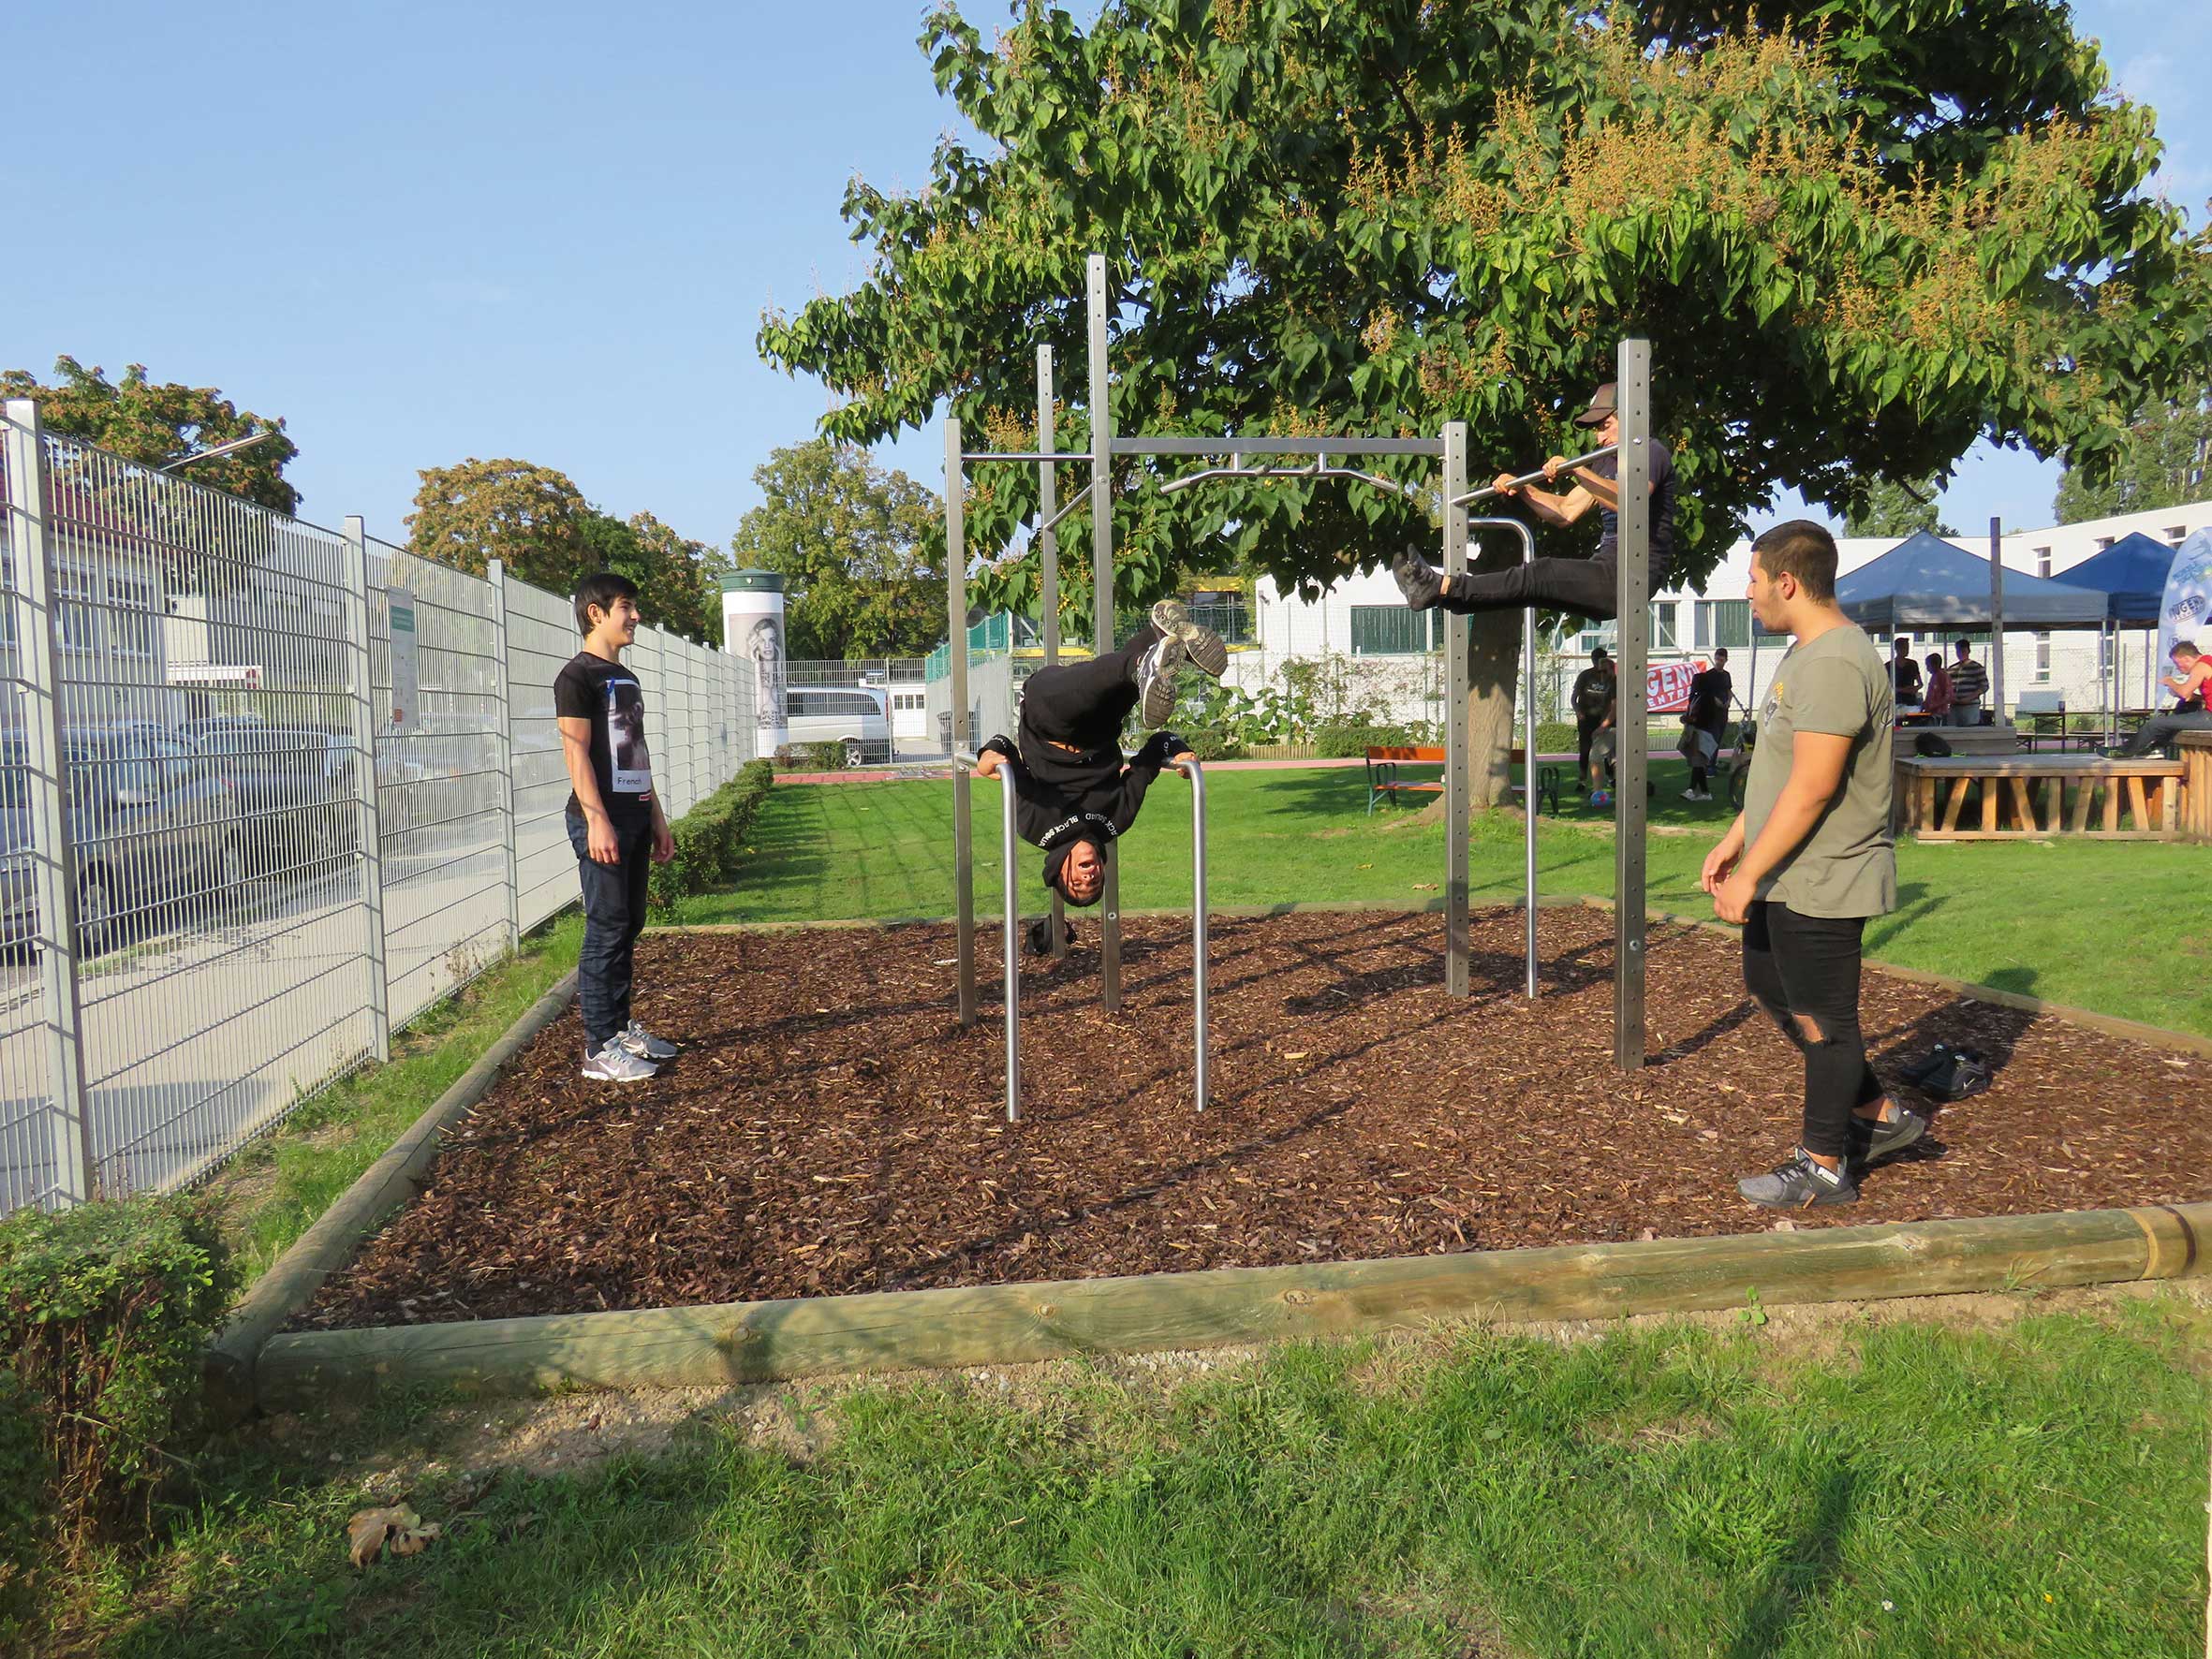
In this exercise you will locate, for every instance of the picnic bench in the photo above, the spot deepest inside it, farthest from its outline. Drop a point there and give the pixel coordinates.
(1384, 760)
(2018, 797)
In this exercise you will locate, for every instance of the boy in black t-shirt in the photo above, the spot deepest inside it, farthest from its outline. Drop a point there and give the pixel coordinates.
(615, 825)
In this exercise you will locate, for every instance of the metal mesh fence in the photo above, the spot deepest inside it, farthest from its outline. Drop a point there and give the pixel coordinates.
(212, 906)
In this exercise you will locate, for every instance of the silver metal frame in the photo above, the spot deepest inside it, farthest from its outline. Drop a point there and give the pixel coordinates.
(1049, 515)
(1527, 740)
(1537, 476)
(1198, 927)
(1631, 727)
(368, 822)
(1102, 587)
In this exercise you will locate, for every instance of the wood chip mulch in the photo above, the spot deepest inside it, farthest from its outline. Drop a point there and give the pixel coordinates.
(831, 1129)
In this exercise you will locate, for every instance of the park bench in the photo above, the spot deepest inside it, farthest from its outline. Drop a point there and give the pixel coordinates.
(1384, 760)
(2022, 795)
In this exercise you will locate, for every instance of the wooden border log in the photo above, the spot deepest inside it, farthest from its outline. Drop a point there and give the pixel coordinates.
(227, 1364)
(1020, 1324)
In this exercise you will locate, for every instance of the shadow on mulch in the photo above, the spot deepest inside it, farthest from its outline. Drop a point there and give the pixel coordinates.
(831, 1129)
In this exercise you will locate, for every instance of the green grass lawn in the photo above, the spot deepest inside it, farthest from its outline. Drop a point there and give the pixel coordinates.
(1824, 1487)
(2111, 926)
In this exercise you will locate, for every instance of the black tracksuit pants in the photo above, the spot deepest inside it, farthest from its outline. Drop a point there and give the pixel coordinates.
(1587, 587)
(1082, 704)
(1806, 967)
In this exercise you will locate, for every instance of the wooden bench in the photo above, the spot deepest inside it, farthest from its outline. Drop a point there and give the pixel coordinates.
(2018, 797)
(1383, 773)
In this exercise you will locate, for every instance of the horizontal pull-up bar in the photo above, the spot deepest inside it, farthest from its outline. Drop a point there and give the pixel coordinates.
(1536, 477)
(1074, 501)
(1316, 471)
(1054, 455)
(1258, 445)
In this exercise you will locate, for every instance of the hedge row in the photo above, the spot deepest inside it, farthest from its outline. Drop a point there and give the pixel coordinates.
(711, 837)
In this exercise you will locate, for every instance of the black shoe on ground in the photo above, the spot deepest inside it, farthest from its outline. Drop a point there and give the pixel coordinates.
(1040, 936)
(1422, 582)
(1799, 1184)
(1200, 644)
(1871, 1140)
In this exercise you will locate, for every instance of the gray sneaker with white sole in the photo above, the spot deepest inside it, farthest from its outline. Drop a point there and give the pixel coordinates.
(643, 1043)
(1156, 681)
(1799, 1184)
(612, 1063)
(1872, 1139)
(1200, 644)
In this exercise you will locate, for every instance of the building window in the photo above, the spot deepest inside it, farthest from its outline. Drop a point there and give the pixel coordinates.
(2042, 657)
(2177, 533)
(1226, 613)
(2042, 561)
(79, 610)
(1389, 630)
(1723, 621)
(1662, 626)
(2104, 541)
(130, 615)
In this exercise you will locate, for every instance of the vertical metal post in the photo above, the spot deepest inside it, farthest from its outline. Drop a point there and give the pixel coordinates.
(1048, 507)
(1013, 944)
(1527, 747)
(46, 769)
(964, 875)
(1996, 621)
(1198, 924)
(367, 722)
(1459, 799)
(1102, 591)
(496, 573)
(1632, 717)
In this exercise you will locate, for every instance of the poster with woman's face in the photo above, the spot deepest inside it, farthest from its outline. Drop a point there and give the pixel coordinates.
(628, 761)
(765, 644)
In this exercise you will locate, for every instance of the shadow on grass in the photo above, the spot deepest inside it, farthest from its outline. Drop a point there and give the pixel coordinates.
(1814, 1557)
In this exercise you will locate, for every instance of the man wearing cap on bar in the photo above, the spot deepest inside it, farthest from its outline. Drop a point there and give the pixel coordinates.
(1588, 587)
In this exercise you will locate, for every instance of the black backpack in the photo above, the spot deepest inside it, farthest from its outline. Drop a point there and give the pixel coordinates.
(1949, 1074)
(1927, 743)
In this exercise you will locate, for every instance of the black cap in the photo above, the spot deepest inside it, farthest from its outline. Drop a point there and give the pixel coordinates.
(1600, 406)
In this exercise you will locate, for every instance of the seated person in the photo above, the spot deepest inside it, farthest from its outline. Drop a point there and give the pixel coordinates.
(1073, 792)
(2192, 673)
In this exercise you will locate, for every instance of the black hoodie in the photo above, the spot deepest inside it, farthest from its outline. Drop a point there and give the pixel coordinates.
(1062, 796)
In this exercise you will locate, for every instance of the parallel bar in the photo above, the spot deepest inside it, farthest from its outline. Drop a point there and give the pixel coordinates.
(1535, 477)
(963, 880)
(1375, 480)
(368, 809)
(52, 847)
(1996, 621)
(1258, 445)
(1459, 799)
(1198, 921)
(1527, 737)
(972, 456)
(1102, 452)
(1632, 726)
(1048, 541)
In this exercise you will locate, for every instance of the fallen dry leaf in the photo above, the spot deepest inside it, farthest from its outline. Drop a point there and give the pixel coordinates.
(1298, 1054)
(1424, 887)
(396, 1527)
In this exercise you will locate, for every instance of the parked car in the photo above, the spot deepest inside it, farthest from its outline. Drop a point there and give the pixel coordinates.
(859, 717)
(292, 787)
(151, 823)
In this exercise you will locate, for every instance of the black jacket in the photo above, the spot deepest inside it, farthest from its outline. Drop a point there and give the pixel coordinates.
(1711, 692)
(1061, 796)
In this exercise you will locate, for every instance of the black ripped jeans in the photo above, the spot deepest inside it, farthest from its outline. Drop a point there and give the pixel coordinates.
(1587, 587)
(1805, 968)
(1083, 703)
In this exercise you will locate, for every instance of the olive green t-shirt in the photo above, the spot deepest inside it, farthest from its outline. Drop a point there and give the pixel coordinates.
(1848, 865)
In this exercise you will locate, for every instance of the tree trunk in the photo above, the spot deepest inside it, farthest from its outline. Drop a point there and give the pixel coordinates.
(1493, 670)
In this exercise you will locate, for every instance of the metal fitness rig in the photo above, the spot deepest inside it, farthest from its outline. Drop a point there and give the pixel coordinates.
(1633, 400)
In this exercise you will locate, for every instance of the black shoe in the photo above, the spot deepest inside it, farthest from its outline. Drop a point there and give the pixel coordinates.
(1799, 1184)
(1040, 936)
(1200, 644)
(1422, 582)
(1872, 1139)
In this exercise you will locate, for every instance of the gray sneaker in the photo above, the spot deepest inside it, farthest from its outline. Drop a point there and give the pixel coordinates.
(614, 1063)
(643, 1043)
(1422, 582)
(1200, 644)
(1799, 1184)
(1156, 681)
(1871, 1140)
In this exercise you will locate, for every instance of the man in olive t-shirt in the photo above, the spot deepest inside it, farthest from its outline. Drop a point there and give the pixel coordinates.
(1810, 859)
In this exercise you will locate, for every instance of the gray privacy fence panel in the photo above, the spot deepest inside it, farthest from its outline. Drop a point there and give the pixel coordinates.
(441, 787)
(217, 684)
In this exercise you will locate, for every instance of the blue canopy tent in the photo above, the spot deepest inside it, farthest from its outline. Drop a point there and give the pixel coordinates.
(2132, 576)
(1926, 582)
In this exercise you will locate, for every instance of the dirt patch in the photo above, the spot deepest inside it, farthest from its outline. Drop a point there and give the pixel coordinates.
(831, 1129)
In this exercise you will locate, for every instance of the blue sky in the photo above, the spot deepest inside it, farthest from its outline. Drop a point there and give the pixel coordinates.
(426, 232)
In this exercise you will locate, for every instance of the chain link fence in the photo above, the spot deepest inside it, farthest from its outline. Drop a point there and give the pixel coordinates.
(267, 792)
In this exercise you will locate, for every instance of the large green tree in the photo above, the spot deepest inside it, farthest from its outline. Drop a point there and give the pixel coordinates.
(675, 575)
(157, 423)
(1859, 234)
(2164, 459)
(861, 551)
(1887, 508)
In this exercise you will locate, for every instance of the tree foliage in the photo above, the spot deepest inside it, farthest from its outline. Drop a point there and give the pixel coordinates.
(1859, 235)
(2164, 459)
(156, 424)
(861, 551)
(1886, 509)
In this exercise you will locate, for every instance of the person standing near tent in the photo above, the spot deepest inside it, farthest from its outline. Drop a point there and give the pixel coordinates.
(1904, 672)
(1935, 699)
(1588, 587)
(1969, 685)
(1810, 858)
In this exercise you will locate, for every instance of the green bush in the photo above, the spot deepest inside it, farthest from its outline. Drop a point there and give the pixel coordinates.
(104, 1309)
(710, 838)
(822, 756)
(1353, 739)
(26, 1482)
(1211, 743)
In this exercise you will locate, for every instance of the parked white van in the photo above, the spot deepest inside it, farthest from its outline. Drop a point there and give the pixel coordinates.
(856, 716)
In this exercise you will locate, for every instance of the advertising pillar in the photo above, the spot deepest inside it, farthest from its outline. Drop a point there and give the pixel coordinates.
(753, 628)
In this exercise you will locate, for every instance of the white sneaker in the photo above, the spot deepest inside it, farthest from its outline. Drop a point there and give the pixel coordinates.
(643, 1043)
(1696, 795)
(614, 1063)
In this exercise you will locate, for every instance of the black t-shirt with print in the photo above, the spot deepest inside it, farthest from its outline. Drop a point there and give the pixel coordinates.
(607, 695)
(1661, 462)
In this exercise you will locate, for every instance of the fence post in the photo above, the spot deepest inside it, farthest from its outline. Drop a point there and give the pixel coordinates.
(365, 725)
(54, 861)
(495, 573)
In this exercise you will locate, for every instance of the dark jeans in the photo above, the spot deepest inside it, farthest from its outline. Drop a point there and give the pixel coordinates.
(613, 917)
(2160, 729)
(1588, 587)
(1584, 728)
(1804, 971)
(1085, 703)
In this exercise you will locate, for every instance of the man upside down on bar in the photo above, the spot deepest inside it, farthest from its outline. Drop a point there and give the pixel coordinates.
(1073, 791)
(1588, 587)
